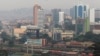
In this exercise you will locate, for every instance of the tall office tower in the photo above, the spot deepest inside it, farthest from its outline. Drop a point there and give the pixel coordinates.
(78, 11)
(92, 15)
(41, 18)
(55, 14)
(89, 19)
(61, 18)
(35, 14)
(87, 24)
(72, 12)
(97, 15)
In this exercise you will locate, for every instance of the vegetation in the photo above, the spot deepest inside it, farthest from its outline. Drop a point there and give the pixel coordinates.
(96, 48)
(11, 43)
(5, 36)
(23, 39)
(46, 36)
(10, 39)
(89, 36)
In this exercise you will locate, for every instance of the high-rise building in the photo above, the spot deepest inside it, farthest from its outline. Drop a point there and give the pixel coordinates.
(86, 24)
(61, 18)
(35, 14)
(78, 11)
(97, 15)
(39, 16)
(92, 15)
(89, 19)
(55, 14)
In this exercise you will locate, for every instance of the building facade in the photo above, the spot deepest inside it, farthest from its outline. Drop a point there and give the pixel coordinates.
(92, 15)
(61, 18)
(97, 15)
(35, 14)
(78, 11)
(39, 16)
(55, 14)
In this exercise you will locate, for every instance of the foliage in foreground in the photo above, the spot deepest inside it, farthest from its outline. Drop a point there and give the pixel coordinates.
(89, 36)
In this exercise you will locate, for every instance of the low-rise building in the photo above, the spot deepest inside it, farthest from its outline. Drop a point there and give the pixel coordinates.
(18, 32)
(67, 35)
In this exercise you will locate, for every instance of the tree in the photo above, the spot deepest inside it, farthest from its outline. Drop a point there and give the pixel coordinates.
(5, 36)
(67, 39)
(11, 42)
(89, 36)
(96, 48)
(80, 38)
(46, 36)
(23, 39)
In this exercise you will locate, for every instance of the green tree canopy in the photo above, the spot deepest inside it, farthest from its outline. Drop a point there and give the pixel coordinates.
(96, 48)
(5, 36)
(89, 36)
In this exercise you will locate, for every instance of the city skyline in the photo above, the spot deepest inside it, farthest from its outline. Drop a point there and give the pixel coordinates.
(46, 4)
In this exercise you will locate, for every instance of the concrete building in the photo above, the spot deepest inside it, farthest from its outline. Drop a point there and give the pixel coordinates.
(18, 32)
(61, 18)
(48, 19)
(59, 34)
(35, 14)
(41, 18)
(86, 24)
(95, 28)
(79, 26)
(97, 15)
(92, 15)
(89, 19)
(33, 31)
(55, 14)
(67, 35)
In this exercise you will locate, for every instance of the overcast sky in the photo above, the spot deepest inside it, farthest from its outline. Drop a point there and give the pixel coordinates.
(47, 4)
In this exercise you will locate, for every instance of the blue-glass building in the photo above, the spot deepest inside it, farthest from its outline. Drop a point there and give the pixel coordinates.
(78, 11)
(55, 14)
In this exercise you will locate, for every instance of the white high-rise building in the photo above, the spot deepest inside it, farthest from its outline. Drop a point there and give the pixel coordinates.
(41, 18)
(61, 17)
(92, 15)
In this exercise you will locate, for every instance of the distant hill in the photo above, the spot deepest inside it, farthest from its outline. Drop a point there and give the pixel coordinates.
(17, 14)
(23, 13)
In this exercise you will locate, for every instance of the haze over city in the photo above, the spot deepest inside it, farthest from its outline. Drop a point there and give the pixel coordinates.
(49, 28)
(46, 4)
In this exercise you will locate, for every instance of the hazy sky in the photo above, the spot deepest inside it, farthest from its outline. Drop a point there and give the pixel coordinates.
(47, 4)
